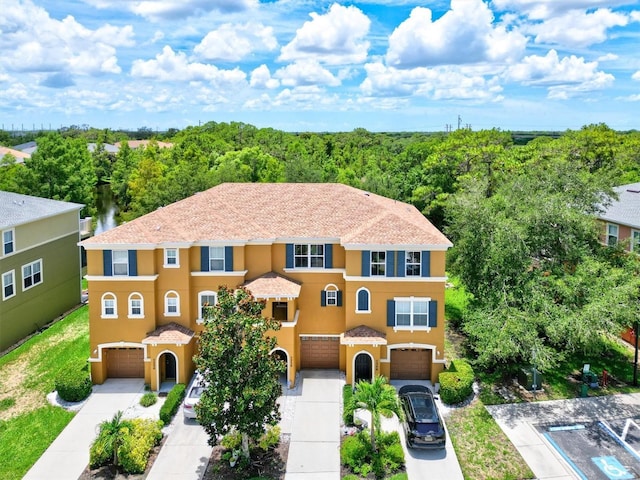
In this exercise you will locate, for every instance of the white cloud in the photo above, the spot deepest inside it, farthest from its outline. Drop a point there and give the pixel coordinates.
(564, 78)
(261, 78)
(464, 34)
(306, 73)
(305, 98)
(170, 66)
(335, 38)
(544, 9)
(174, 9)
(234, 42)
(32, 41)
(636, 76)
(608, 57)
(578, 29)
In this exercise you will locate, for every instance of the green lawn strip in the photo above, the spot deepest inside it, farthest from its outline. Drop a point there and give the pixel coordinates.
(483, 450)
(24, 438)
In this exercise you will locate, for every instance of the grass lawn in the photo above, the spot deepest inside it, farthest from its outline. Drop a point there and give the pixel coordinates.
(28, 423)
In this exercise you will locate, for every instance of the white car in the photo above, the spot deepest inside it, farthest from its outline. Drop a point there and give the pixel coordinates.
(193, 396)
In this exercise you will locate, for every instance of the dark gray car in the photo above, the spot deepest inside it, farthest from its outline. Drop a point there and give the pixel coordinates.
(423, 426)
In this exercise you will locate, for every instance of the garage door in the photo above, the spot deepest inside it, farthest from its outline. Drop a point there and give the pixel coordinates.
(125, 363)
(411, 364)
(320, 352)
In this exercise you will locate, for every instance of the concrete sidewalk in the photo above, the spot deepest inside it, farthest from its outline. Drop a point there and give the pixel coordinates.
(314, 449)
(68, 455)
(518, 422)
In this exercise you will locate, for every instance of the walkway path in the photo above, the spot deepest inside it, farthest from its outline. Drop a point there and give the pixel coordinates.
(68, 455)
(314, 450)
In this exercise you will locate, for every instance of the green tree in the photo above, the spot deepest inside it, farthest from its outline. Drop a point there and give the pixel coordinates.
(112, 436)
(378, 398)
(240, 373)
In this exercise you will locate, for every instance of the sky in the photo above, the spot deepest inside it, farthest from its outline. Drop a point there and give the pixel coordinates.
(308, 65)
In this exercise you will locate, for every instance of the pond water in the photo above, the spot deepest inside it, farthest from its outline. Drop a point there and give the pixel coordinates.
(107, 209)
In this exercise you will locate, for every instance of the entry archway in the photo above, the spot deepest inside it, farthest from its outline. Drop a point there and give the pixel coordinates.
(167, 368)
(362, 367)
(282, 355)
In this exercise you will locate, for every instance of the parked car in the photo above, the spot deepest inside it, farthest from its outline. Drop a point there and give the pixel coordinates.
(423, 426)
(193, 396)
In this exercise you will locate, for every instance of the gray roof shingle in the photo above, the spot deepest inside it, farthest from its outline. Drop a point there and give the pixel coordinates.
(625, 210)
(17, 209)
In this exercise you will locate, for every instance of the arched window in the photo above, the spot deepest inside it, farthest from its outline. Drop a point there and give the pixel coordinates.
(171, 304)
(109, 306)
(363, 300)
(136, 305)
(331, 296)
(206, 299)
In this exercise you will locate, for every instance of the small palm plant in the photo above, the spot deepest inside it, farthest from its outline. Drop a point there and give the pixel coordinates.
(379, 398)
(112, 435)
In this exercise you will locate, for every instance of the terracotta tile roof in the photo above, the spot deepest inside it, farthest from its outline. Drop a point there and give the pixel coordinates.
(363, 335)
(171, 333)
(245, 212)
(17, 154)
(272, 285)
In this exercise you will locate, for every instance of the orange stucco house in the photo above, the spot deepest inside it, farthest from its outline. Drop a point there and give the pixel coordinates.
(357, 281)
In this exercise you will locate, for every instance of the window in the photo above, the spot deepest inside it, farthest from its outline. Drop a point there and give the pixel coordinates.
(216, 259)
(206, 299)
(109, 306)
(171, 304)
(412, 262)
(7, 242)
(171, 258)
(8, 285)
(635, 241)
(612, 234)
(331, 296)
(120, 262)
(363, 304)
(31, 274)
(136, 309)
(412, 312)
(378, 263)
(308, 256)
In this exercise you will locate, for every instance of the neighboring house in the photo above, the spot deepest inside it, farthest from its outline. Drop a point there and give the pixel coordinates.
(17, 154)
(133, 144)
(357, 281)
(622, 218)
(39, 263)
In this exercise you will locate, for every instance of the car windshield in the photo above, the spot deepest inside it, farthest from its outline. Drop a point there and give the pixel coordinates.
(423, 408)
(196, 392)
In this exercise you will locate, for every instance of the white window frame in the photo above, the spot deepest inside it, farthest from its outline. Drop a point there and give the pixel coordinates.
(136, 296)
(5, 284)
(31, 274)
(380, 266)
(205, 293)
(12, 242)
(331, 295)
(412, 301)
(218, 257)
(634, 244)
(170, 298)
(368, 310)
(171, 253)
(122, 254)
(109, 297)
(412, 266)
(306, 254)
(611, 226)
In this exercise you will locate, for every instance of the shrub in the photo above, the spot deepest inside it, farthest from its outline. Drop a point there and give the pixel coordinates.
(137, 445)
(357, 454)
(270, 438)
(148, 399)
(73, 385)
(171, 403)
(456, 383)
(348, 405)
(232, 440)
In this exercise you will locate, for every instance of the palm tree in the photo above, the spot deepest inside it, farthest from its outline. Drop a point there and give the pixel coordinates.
(379, 398)
(112, 434)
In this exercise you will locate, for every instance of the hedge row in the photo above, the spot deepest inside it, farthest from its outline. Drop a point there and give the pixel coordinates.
(172, 403)
(456, 383)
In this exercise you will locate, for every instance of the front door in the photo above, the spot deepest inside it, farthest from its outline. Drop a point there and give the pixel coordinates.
(363, 368)
(169, 366)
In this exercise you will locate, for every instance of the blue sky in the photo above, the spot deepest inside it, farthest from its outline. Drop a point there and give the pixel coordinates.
(306, 65)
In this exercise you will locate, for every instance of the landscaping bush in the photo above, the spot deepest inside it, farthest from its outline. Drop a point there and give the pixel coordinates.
(73, 385)
(456, 383)
(357, 454)
(171, 403)
(137, 445)
(232, 440)
(270, 438)
(348, 405)
(148, 399)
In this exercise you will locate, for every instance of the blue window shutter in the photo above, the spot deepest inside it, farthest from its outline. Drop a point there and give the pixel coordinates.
(133, 263)
(339, 299)
(289, 260)
(433, 313)
(425, 261)
(366, 263)
(363, 300)
(391, 313)
(400, 264)
(328, 255)
(323, 298)
(228, 259)
(204, 259)
(107, 263)
(388, 270)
